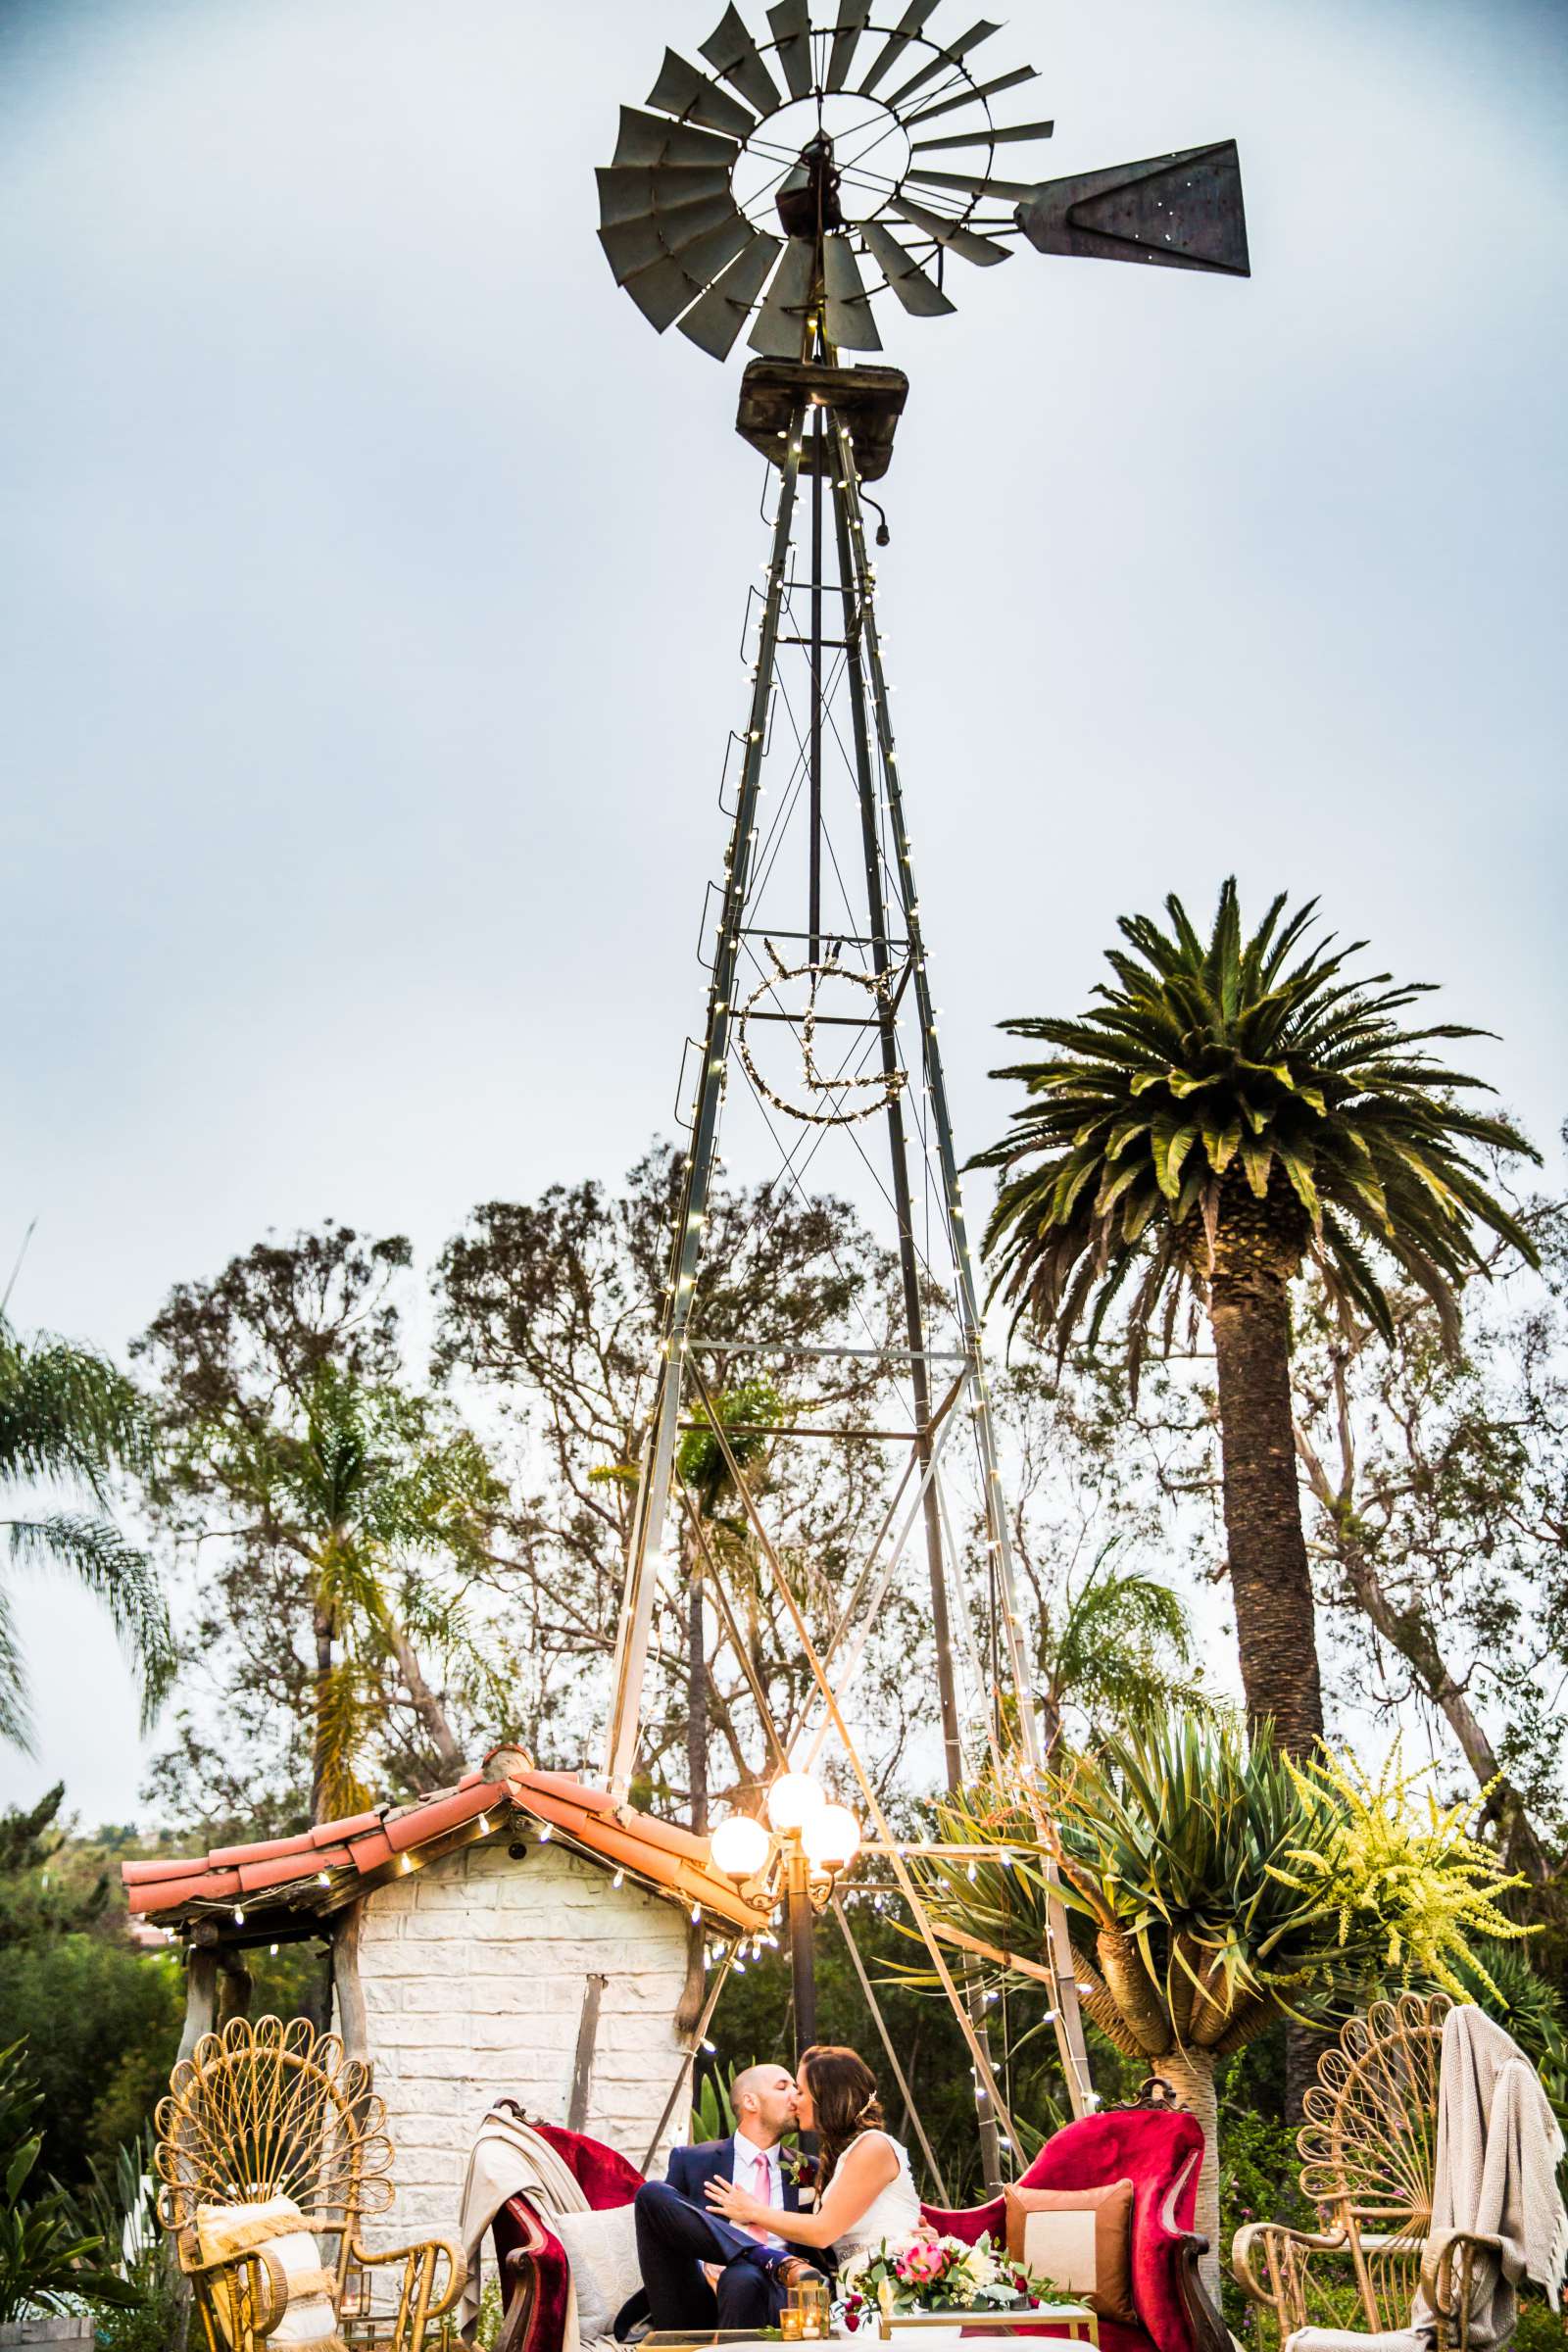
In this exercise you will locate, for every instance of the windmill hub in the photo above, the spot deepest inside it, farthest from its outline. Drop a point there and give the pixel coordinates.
(808, 200)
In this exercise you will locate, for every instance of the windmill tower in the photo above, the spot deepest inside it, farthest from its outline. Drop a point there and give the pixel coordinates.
(779, 196)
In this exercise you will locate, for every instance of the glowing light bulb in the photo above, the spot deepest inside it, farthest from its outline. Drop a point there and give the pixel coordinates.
(740, 1846)
(793, 1799)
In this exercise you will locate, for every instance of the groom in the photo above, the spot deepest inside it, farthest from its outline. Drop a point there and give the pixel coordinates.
(700, 2271)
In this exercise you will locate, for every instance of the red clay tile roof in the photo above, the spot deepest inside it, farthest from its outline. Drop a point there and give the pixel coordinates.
(286, 1874)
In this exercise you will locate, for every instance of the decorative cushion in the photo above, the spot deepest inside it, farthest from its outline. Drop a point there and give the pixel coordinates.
(310, 2318)
(1081, 2239)
(602, 2251)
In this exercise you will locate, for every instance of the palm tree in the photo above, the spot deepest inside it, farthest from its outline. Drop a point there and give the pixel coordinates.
(1117, 1645)
(361, 1481)
(69, 1419)
(1228, 1109)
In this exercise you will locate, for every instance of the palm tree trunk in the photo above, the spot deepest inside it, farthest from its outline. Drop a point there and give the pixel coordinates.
(1270, 1581)
(324, 1629)
(1191, 2074)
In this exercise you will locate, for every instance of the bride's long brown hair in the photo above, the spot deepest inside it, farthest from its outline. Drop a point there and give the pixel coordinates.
(844, 2100)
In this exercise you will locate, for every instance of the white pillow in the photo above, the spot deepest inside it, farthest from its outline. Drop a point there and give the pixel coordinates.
(601, 2250)
(310, 2318)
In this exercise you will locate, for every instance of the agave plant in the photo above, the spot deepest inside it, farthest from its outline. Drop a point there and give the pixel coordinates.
(1228, 1109)
(1214, 1887)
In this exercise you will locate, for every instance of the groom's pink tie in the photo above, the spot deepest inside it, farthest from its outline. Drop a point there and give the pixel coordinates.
(763, 2191)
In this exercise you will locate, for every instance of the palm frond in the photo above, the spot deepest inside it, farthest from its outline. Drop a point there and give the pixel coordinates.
(124, 1579)
(1239, 1085)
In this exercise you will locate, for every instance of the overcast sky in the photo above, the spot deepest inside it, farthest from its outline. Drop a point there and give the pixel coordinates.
(373, 577)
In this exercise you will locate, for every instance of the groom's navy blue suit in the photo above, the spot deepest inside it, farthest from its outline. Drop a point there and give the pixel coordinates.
(679, 2230)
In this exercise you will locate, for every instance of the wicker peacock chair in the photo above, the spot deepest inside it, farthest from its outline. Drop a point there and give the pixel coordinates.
(1369, 2141)
(267, 2112)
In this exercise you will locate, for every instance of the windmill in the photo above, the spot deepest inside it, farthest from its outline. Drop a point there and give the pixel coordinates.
(779, 192)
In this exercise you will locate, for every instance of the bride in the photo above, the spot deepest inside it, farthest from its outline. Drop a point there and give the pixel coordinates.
(865, 2189)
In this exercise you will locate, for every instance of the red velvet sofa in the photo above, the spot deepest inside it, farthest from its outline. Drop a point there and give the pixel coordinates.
(1157, 2150)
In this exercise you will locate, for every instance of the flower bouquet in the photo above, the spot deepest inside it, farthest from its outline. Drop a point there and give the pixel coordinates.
(928, 2273)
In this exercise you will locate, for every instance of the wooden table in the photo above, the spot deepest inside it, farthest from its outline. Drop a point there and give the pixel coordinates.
(938, 2330)
(973, 2324)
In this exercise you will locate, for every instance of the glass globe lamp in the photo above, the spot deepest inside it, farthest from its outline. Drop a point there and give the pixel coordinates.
(740, 1846)
(792, 1801)
(831, 1838)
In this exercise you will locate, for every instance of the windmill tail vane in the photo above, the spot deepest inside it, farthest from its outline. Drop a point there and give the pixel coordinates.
(781, 190)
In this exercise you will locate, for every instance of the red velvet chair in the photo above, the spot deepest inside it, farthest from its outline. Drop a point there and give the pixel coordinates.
(1158, 2150)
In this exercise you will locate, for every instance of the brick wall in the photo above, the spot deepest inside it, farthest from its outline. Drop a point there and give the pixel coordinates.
(473, 1970)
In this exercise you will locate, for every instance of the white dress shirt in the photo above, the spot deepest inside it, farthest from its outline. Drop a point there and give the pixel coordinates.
(744, 2154)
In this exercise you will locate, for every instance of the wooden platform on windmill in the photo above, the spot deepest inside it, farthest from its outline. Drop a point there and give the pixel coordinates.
(870, 401)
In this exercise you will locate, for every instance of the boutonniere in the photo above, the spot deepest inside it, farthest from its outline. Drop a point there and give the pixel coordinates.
(798, 2169)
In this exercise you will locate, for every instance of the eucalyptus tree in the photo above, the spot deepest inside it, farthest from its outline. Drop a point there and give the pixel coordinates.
(1436, 1483)
(350, 1515)
(73, 1425)
(1229, 1111)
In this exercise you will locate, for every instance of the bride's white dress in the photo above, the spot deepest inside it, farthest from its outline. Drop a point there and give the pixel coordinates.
(894, 2213)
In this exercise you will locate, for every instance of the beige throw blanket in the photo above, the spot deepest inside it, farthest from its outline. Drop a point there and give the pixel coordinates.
(1499, 2148)
(510, 2159)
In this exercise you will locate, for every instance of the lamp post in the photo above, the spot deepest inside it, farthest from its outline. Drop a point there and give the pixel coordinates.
(814, 1841)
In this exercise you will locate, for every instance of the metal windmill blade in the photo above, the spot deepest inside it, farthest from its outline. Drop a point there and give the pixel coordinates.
(701, 185)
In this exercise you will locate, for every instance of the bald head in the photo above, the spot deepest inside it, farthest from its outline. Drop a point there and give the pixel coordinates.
(763, 2100)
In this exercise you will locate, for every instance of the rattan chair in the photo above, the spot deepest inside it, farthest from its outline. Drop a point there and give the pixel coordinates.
(270, 2110)
(1369, 2141)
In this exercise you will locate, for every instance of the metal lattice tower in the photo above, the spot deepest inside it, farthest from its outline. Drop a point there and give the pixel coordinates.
(785, 191)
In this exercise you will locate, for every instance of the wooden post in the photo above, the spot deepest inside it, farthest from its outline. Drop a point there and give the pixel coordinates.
(234, 1986)
(200, 1997)
(583, 2063)
(348, 1992)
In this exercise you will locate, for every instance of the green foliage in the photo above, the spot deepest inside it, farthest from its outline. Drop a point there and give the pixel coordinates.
(103, 2024)
(119, 2205)
(69, 1420)
(1235, 1085)
(488, 2327)
(1117, 1646)
(744, 1412)
(45, 2255)
(712, 2108)
(41, 1892)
